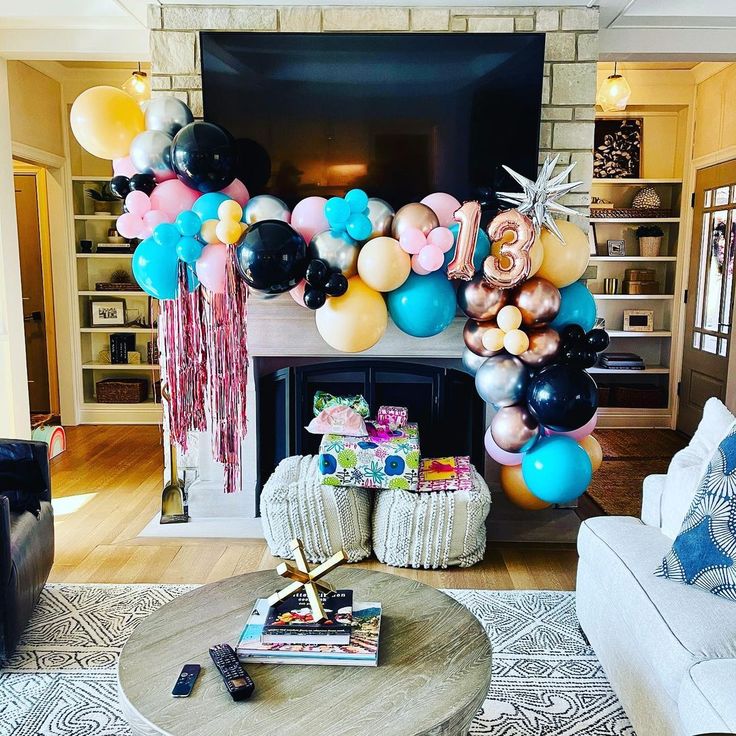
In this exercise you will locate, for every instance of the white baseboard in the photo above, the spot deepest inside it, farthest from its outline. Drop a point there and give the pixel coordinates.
(206, 528)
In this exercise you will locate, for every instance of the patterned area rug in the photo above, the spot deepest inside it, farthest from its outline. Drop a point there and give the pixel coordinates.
(62, 680)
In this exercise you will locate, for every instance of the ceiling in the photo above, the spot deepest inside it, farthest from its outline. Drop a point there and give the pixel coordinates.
(643, 30)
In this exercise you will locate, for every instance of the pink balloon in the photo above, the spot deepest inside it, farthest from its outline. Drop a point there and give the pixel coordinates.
(443, 205)
(308, 217)
(430, 257)
(138, 203)
(153, 218)
(297, 293)
(442, 237)
(129, 225)
(173, 197)
(211, 267)
(417, 267)
(499, 455)
(413, 240)
(581, 432)
(237, 190)
(123, 167)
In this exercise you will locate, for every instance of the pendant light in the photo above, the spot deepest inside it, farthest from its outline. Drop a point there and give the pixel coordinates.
(614, 93)
(138, 86)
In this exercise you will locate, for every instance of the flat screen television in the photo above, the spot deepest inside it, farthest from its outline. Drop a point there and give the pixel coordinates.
(400, 115)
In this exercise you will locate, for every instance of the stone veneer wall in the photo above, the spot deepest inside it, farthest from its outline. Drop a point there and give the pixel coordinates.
(571, 52)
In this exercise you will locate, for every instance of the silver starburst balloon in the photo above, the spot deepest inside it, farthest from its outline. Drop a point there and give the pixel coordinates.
(539, 199)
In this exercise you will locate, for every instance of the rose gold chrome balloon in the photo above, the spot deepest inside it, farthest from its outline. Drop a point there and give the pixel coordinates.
(515, 252)
(414, 215)
(514, 429)
(473, 335)
(479, 300)
(538, 301)
(544, 342)
(461, 266)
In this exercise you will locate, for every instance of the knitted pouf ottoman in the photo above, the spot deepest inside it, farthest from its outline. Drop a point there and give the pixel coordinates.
(431, 530)
(296, 504)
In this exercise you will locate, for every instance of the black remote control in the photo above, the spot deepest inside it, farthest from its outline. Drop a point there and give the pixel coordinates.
(237, 680)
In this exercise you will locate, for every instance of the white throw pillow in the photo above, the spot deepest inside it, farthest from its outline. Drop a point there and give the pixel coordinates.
(688, 466)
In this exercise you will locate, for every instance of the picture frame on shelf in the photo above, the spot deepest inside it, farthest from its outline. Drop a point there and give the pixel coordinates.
(617, 145)
(107, 313)
(639, 320)
(616, 248)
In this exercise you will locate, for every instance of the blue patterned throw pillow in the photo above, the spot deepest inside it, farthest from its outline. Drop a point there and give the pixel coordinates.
(705, 549)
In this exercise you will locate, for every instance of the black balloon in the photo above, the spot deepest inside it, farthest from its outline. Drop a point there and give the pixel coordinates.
(120, 186)
(571, 335)
(562, 397)
(142, 183)
(336, 284)
(203, 156)
(272, 257)
(318, 272)
(597, 340)
(314, 298)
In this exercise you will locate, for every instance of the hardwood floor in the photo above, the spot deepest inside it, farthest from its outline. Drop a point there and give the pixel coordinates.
(107, 487)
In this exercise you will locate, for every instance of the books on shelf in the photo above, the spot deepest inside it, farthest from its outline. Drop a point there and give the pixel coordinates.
(291, 620)
(621, 361)
(362, 651)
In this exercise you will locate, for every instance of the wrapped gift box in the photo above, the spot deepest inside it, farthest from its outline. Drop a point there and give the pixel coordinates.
(392, 416)
(386, 458)
(445, 474)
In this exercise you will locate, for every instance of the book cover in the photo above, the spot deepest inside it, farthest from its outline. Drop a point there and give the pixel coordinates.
(291, 621)
(362, 651)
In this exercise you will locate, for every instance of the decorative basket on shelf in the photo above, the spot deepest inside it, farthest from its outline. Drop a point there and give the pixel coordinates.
(122, 390)
(624, 212)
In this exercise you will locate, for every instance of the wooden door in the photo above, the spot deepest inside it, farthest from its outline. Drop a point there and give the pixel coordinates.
(32, 286)
(710, 293)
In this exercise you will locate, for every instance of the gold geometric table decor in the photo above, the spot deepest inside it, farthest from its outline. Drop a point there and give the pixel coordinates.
(303, 577)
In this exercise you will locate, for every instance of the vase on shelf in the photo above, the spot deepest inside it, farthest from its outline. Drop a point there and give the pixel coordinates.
(649, 246)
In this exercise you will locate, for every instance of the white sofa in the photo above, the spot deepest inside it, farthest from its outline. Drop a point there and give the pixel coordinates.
(668, 649)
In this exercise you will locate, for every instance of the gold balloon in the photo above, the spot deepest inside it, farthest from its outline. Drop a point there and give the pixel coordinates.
(338, 249)
(354, 321)
(414, 215)
(381, 214)
(564, 263)
(544, 343)
(591, 445)
(493, 339)
(105, 120)
(509, 318)
(228, 231)
(230, 210)
(514, 429)
(538, 301)
(512, 483)
(479, 300)
(473, 333)
(208, 233)
(516, 342)
(383, 264)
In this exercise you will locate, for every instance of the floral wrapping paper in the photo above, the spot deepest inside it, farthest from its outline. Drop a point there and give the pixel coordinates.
(385, 459)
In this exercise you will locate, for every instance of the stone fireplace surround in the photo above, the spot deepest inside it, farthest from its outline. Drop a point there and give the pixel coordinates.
(278, 328)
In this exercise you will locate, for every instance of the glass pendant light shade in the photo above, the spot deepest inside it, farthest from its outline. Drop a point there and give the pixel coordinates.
(138, 86)
(614, 93)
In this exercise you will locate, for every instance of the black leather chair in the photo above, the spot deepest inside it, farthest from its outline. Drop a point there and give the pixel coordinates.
(26, 535)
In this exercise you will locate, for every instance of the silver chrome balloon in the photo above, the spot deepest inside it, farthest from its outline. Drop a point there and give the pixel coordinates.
(266, 207)
(381, 214)
(150, 153)
(338, 249)
(502, 381)
(167, 114)
(471, 361)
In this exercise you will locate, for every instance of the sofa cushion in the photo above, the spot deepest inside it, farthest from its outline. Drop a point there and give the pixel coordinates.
(689, 465)
(705, 549)
(707, 703)
(674, 626)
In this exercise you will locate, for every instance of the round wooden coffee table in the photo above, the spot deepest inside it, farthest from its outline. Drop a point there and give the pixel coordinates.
(433, 671)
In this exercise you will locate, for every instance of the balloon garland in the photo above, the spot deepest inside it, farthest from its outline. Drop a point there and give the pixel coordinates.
(354, 261)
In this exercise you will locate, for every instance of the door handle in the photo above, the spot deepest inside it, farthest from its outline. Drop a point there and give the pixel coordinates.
(33, 317)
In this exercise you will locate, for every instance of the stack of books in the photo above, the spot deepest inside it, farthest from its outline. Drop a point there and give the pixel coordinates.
(621, 361)
(286, 633)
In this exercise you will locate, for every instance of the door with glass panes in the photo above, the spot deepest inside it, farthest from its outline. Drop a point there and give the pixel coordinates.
(709, 309)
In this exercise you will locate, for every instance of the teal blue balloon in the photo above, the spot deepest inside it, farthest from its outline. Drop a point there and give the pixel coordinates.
(423, 305)
(166, 234)
(188, 223)
(577, 307)
(337, 212)
(556, 469)
(155, 268)
(188, 249)
(357, 200)
(359, 227)
(206, 206)
(482, 248)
